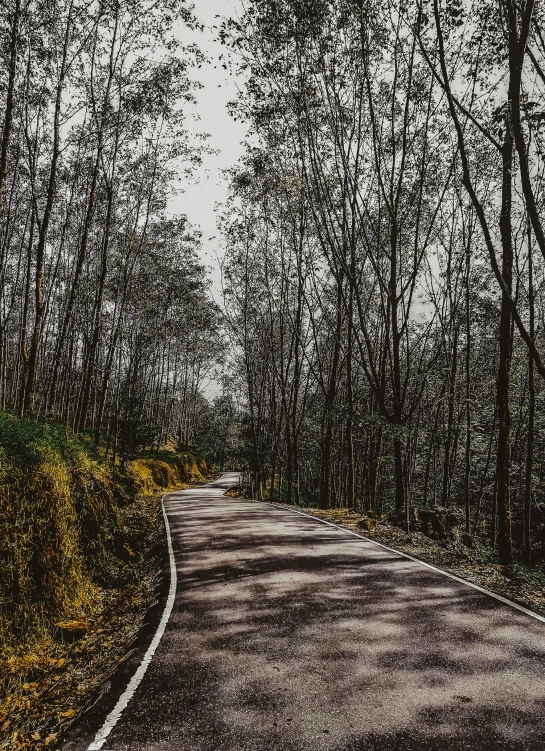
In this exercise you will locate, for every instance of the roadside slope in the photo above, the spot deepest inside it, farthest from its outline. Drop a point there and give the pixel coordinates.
(79, 545)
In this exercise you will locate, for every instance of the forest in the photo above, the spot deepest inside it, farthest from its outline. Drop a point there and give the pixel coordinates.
(384, 267)
(106, 324)
(369, 346)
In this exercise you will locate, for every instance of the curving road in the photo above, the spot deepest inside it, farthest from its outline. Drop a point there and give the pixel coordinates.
(289, 635)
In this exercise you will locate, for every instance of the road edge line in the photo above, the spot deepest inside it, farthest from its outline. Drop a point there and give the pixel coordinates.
(113, 718)
(488, 592)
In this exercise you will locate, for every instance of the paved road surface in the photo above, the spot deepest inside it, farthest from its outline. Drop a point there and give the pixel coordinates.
(289, 635)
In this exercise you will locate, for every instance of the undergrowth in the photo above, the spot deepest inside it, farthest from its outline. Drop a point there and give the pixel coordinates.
(78, 555)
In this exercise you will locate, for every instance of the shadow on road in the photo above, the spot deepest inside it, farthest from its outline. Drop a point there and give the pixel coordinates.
(290, 635)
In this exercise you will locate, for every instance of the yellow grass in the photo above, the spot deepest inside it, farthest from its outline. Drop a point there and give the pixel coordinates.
(77, 546)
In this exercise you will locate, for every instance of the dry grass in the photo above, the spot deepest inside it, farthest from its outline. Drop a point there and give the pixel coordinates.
(78, 552)
(168, 471)
(46, 684)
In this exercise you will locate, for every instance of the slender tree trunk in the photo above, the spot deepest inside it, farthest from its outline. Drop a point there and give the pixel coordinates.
(396, 364)
(95, 337)
(527, 510)
(24, 321)
(350, 500)
(327, 442)
(503, 466)
(467, 472)
(44, 228)
(375, 453)
(445, 494)
(289, 464)
(10, 100)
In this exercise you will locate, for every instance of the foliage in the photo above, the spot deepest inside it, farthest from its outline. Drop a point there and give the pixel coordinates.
(385, 259)
(107, 324)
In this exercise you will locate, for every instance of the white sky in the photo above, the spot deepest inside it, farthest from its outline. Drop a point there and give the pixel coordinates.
(219, 88)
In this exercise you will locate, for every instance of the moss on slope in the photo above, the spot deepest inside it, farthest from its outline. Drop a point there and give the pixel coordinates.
(78, 555)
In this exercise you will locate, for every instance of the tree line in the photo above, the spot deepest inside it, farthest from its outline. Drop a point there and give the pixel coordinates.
(384, 267)
(105, 320)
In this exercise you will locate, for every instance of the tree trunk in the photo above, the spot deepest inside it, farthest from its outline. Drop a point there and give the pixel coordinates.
(350, 499)
(326, 458)
(467, 471)
(24, 322)
(8, 113)
(44, 228)
(503, 466)
(445, 494)
(527, 509)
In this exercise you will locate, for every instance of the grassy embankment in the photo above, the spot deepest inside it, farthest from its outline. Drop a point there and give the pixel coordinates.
(79, 544)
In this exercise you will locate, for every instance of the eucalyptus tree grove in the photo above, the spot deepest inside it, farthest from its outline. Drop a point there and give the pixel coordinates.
(385, 256)
(105, 323)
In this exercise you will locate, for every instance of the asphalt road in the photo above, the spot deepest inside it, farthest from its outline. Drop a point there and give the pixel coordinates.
(290, 635)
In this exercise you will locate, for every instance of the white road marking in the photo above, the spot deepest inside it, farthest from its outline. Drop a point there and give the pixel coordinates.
(422, 563)
(126, 696)
(114, 716)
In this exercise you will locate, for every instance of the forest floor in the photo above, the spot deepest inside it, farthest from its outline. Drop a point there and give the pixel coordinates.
(71, 611)
(526, 586)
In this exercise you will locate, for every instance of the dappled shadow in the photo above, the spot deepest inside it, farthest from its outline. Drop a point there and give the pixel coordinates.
(288, 634)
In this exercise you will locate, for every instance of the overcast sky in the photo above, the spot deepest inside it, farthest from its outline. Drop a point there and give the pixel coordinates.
(219, 88)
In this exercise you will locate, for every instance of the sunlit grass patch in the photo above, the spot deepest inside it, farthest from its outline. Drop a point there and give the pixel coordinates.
(78, 554)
